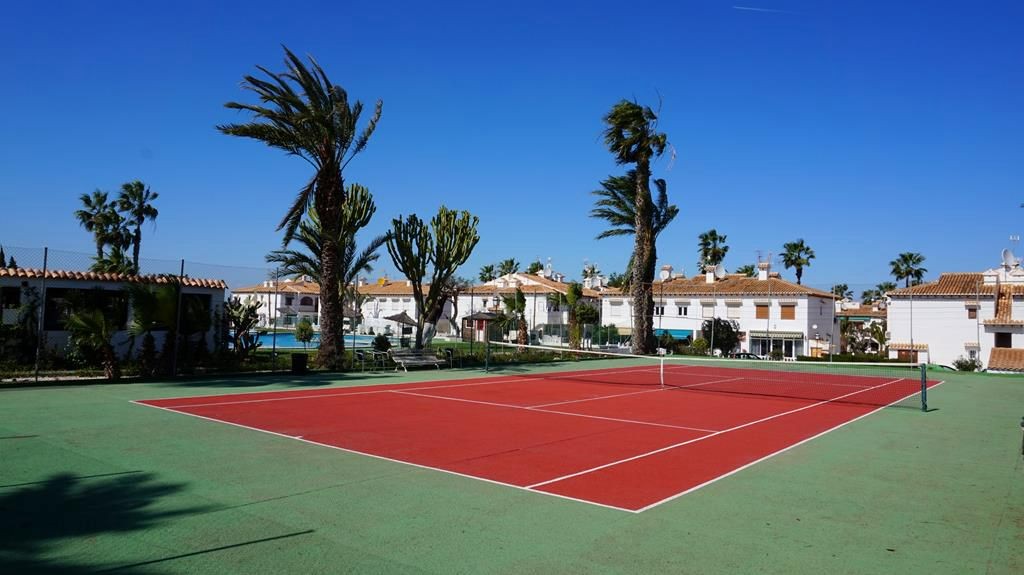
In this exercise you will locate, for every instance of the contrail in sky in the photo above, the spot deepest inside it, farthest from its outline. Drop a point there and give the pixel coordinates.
(772, 10)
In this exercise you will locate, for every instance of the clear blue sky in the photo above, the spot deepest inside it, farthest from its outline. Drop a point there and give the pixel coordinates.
(866, 128)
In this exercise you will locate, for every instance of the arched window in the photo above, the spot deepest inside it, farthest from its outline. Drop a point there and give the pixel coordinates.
(306, 301)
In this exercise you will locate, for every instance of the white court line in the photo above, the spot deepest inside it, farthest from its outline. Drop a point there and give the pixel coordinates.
(525, 408)
(666, 388)
(773, 454)
(343, 393)
(381, 457)
(702, 438)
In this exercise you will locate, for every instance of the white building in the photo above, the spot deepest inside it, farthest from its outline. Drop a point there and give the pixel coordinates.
(285, 302)
(970, 315)
(772, 313)
(546, 318)
(289, 301)
(56, 291)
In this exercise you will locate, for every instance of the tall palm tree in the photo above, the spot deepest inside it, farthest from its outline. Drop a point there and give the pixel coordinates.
(797, 255)
(487, 273)
(508, 266)
(95, 217)
(304, 114)
(711, 248)
(356, 213)
(136, 201)
(616, 205)
(749, 270)
(632, 136)
(907, 266)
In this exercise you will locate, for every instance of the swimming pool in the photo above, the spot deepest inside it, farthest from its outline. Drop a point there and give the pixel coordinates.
(286, 340)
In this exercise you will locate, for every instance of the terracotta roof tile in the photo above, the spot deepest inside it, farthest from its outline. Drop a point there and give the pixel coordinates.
(906, 346)
(1006, 359)
(735, 285)
(287, 286)
(1004, 308)
(952, 284)
(862, 312)
(30, 273)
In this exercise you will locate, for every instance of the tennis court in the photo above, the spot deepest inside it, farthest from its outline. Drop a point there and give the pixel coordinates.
(628, 434)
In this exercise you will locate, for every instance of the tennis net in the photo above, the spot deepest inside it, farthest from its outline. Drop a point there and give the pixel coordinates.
(881, 384)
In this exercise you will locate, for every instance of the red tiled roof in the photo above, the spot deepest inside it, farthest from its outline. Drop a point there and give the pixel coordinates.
(734, 285)
(540, 284)
(1004, 308)
(293, 286)
(30, 273)
(1006, 359)
(862, 312)
(957, 284)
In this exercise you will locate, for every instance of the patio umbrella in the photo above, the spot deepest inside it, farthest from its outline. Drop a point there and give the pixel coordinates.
(402, 318)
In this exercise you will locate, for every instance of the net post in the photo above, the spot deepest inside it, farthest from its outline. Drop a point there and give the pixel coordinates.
(661, 372)
(924, 387)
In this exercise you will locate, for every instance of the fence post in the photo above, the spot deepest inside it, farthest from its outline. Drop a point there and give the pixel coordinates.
(273, 323)
(42, 309)
(177, 322)
(924, 387)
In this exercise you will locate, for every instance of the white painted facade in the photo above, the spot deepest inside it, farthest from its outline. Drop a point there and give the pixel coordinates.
(957, 316)
(683, 304)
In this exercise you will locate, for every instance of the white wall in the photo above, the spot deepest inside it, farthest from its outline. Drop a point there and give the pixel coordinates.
(944, 326)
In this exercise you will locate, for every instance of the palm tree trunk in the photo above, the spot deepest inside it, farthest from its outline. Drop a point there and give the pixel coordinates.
(136, 244)
(328, 205)
(643, 265)
(799, 274)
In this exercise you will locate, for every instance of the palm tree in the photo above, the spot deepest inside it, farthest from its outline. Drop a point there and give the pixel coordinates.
(877, 332)
(304, 114)
(842, 290)
(884, 288)
(356, 213)
(797, 255)
(632, 136)
(506, 267)
(617, 206)
(95, 217)
(487, 273)
(869, 296)
(712, 249)
(136, 200)
(749, 270)
(94, 327)
(907, 266)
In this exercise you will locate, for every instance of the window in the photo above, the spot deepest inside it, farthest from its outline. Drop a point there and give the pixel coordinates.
(788, 312)
(707, 310)
(762, 310)
(682, 310)
(306, 301)
(733, 312)
(59, 303)
(972, 354)
(288, 300)
(10, 297)
(659, 310)
(972, 313)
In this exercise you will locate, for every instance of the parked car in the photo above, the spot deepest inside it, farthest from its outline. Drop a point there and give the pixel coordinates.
(745, 355)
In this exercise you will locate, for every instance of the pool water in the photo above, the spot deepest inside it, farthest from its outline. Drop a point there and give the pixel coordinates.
(286, 340)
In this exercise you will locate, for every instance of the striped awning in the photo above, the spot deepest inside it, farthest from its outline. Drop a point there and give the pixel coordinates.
(777, 334)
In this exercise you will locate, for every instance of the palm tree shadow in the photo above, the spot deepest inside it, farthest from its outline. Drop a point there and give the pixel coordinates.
(36, 518)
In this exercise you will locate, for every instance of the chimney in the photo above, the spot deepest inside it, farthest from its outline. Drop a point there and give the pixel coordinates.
(362, 282)
(709, 275)
(763, 269)
(408, 283)
(666, 273)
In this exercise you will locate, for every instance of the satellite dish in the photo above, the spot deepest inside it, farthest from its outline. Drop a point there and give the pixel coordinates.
(719, 271)
(1008, 259)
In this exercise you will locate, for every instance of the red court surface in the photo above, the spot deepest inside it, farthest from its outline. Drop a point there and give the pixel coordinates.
(610, 437)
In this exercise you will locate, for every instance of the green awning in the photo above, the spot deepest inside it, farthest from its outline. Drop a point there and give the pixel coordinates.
(776, 334)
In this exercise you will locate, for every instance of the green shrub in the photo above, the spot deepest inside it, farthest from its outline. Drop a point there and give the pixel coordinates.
(966, 364)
